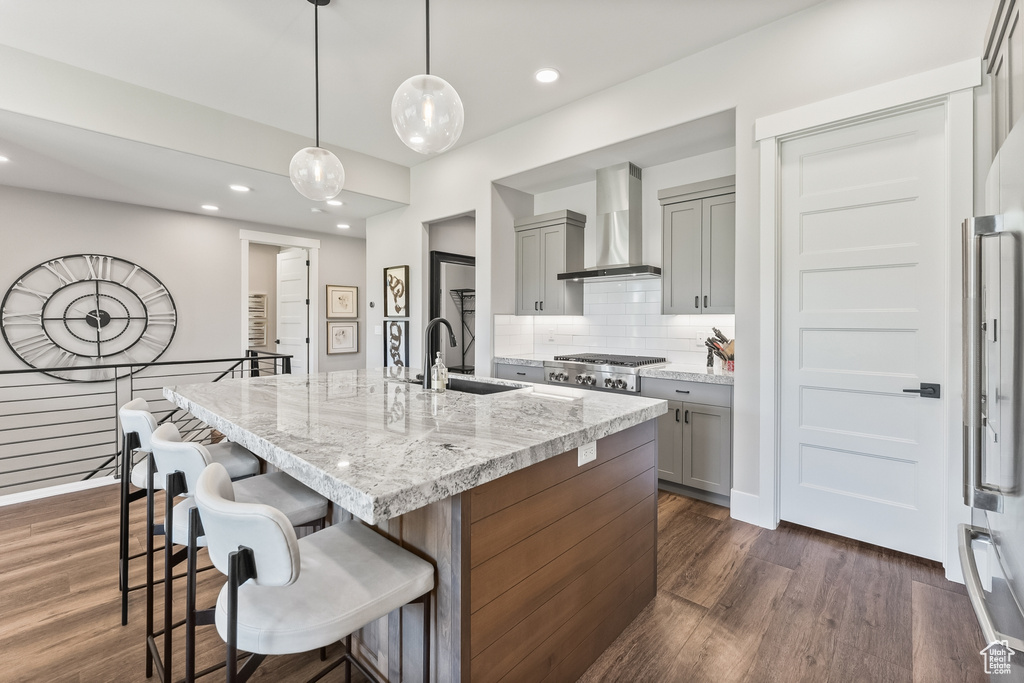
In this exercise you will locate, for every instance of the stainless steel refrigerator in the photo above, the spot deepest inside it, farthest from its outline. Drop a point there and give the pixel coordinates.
(992, 546)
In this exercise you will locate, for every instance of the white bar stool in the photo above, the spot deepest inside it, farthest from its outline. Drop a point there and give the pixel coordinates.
(286, 595)
(137, 426)
(182, 462)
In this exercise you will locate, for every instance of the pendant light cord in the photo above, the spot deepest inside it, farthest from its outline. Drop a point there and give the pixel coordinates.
(316, 65)
(428, 35)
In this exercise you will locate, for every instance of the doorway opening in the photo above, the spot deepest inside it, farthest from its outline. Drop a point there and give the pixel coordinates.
(279, 293)
(453, 290)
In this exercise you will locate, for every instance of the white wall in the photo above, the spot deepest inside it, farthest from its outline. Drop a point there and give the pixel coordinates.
(833, 48)
(455, 235)
(196, 257)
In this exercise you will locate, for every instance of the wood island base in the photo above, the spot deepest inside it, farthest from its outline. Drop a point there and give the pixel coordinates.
(537, 572)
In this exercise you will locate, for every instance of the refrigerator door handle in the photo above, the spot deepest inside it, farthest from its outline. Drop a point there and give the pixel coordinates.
(966, 534)
(975, 493)
(972, 581)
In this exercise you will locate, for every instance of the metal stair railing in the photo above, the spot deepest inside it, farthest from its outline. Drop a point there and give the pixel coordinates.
(59, 425)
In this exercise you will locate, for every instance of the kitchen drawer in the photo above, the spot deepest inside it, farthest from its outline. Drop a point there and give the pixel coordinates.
(520, 373)
(691, 392)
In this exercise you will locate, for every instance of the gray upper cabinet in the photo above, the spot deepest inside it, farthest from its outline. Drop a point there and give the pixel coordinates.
(699, 247)
(1004, 58)
(547, 245)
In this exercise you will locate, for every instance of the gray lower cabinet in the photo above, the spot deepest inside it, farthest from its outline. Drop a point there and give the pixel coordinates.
(670, 443)
(519, 373)
(695, 435)
(707, 447)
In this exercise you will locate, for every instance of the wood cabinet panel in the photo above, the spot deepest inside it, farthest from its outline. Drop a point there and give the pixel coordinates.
(505, 529)
(501, 614)
(681, 273)
(498, 494)
(498, 574)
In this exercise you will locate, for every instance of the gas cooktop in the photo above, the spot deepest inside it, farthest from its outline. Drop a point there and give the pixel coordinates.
(599, 370)
(608, 359)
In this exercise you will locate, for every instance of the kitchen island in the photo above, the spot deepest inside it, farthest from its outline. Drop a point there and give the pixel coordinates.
(543, 554)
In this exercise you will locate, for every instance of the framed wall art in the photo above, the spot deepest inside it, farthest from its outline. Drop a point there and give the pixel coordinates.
(342, 301)
(342, 337)
(396, 343)
(396, 292)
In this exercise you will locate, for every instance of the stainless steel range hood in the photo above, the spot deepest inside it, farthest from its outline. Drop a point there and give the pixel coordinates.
(619, 228)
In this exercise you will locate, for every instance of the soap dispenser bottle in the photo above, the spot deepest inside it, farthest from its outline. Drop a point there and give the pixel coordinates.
(439, 375)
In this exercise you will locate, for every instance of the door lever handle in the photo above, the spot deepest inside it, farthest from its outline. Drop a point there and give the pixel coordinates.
(926, 391)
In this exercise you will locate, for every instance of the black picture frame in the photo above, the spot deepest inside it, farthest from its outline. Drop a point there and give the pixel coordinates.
(396, 292)
(396, 343)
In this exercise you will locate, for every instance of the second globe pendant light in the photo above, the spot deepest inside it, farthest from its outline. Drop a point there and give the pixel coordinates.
(426, 111)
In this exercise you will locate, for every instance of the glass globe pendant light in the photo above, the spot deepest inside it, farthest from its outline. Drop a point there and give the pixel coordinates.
(426, 111)
(316, 172)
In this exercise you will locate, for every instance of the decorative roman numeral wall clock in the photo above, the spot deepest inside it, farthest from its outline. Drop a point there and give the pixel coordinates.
(84, 310)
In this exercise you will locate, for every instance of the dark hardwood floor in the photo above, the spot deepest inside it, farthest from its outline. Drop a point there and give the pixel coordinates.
(741, 603)
(734, 603)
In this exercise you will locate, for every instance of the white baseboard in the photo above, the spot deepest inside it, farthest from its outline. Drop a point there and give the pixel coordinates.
(745, 507)
(37, 494)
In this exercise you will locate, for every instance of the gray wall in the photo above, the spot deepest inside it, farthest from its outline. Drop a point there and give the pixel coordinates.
(197, 257)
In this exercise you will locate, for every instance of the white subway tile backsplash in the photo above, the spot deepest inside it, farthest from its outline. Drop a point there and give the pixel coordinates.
(620, 317)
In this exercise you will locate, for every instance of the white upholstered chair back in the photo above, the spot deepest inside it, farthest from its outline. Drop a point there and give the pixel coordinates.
(135, 417)
(174, 455)
(228, 525)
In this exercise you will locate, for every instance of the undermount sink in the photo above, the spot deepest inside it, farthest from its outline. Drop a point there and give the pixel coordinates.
(468, 386)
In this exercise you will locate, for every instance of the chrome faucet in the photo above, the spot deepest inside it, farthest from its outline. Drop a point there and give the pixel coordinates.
(426, 347)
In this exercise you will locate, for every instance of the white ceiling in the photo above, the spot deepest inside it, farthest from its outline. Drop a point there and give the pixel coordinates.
(254, 59)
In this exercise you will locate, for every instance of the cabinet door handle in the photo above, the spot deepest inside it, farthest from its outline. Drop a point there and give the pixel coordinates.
(521, 374)
(682, 391)
(696, 301)
(542, 305)
(535, 306)
(686, 416)
(705, 301)
(677, 414)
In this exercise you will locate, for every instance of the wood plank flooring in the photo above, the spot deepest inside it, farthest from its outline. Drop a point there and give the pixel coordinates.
(734, 603)
(744, 604)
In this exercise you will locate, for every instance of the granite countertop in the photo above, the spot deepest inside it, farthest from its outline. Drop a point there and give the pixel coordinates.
(676, 371)
(689, 373)
(380, 446)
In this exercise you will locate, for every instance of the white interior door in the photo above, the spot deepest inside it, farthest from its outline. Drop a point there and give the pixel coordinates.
(293, 307)
(863, 285)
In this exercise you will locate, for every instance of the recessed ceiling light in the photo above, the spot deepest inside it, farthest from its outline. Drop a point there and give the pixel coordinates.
(547, 75)
(239, 188)
(344, 226)
(335, 202)
(211, 207)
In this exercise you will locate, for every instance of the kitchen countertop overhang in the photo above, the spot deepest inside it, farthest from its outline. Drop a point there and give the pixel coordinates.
(379, 446)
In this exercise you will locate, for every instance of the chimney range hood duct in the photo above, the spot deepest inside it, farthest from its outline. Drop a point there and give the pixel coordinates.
(619, 229)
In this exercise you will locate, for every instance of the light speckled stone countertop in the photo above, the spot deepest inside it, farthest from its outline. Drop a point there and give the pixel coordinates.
(380, 446)
(676, 371)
